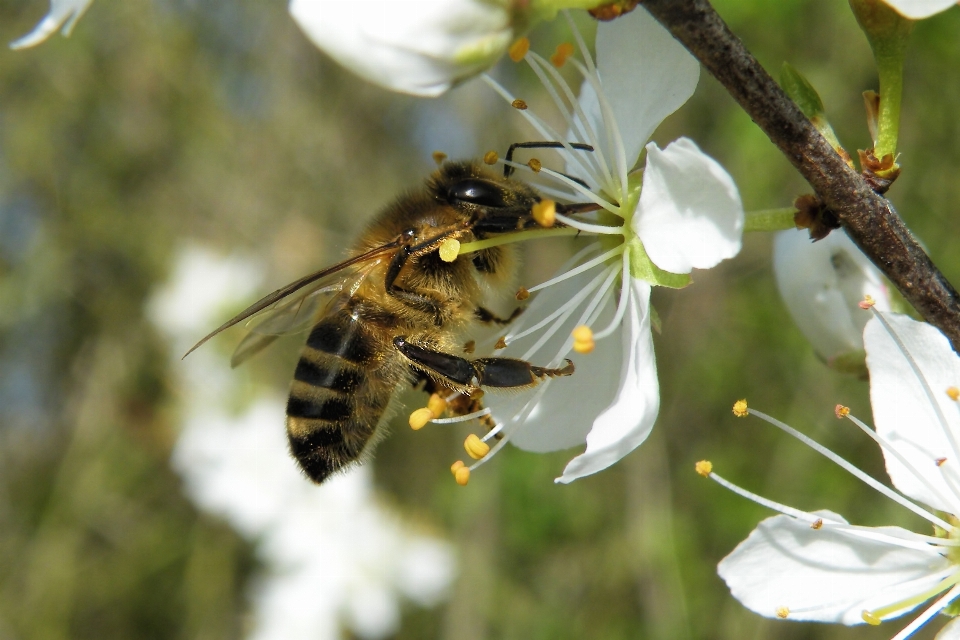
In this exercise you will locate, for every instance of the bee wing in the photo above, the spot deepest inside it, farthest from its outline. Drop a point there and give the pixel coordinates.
(316, 282)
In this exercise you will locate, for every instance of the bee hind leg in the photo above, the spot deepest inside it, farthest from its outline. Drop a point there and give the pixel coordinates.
(460, 373)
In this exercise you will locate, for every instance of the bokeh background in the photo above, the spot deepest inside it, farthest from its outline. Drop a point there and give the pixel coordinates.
(164, 130)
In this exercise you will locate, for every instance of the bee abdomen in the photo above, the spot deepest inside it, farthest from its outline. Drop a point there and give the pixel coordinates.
(334, 404)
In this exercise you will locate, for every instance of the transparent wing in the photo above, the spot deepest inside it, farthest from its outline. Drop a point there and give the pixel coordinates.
(296, 293)
(294, 314)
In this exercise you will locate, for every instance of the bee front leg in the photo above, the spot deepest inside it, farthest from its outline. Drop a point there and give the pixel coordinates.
(486, 316)
(463, 374)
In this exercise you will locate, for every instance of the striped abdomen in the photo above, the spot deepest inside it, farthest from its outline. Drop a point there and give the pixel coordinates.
(337, 397)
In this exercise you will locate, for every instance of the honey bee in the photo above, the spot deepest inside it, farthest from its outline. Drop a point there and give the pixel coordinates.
(391, 314)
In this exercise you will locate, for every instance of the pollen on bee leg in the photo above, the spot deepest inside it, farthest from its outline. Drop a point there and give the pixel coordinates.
(449, 249)
(841, 411)
(519, 49)
(783, 612)
(545, 213)
(436, 405)
(867, 302)
(490, 157)
(740, 408)
(475, 447)
(439, 157)
(419, 418)
(461, 473)
(953, 393)
(870, 618)
(563, 51)
(583, 341)
(704, 468)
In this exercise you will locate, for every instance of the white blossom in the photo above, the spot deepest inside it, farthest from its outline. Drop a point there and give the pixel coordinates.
(687, 215)
(822, 284)
(421, 47)
(919, 9)
(63, 15)
(818, 567)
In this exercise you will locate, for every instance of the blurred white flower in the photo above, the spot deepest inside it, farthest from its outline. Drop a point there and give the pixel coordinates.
(816, 566)
(918, 9)
(822, 284)
(687, 215)
(334, 556)
(63, 15)
(420, 46)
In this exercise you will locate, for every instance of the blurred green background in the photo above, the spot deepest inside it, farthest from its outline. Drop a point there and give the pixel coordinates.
(165, 122)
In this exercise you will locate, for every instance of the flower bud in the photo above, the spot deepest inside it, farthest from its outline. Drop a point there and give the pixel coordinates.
(822, 284)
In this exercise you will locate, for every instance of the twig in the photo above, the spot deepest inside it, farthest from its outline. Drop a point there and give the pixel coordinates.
(870, 220)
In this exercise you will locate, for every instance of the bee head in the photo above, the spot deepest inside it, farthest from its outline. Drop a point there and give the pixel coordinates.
(493, 203)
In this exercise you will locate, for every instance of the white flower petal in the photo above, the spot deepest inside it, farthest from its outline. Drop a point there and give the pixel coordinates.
(414, 46)
(903, 412)
(825, 575)
(822, 283)
(951, 631)
(646, 76)
(917, 9)
(63, 13)
(626, 423)
(690, 215)
(565, 412)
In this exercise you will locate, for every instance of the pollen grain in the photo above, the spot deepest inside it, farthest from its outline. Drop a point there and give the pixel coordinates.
(740, 408)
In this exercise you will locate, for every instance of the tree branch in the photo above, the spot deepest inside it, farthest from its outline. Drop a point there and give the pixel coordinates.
(870, 220)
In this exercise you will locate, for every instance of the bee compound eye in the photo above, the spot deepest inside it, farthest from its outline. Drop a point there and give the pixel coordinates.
(476, 191)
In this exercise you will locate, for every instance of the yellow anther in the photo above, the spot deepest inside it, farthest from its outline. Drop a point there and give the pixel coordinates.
(740, 408)
(522, 294)
(940, 461)
(475, 447)
(490, 157)
(535, 164)
(841, 411)
(449, 249)
(953, 393)
(501, 343)
(462, 475)
(869, 618)
(583, 339)
(519, 104)
(456, 466)
(704, 468)
(865, 304)
(420, 418)
(559, 58)
(545, 212)
(783, 612)
(436, 405)
(817, 524)
(519, 49)
(439, 157)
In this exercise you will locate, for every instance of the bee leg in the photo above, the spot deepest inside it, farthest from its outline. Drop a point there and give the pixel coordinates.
(486, 316)
(466, 374)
